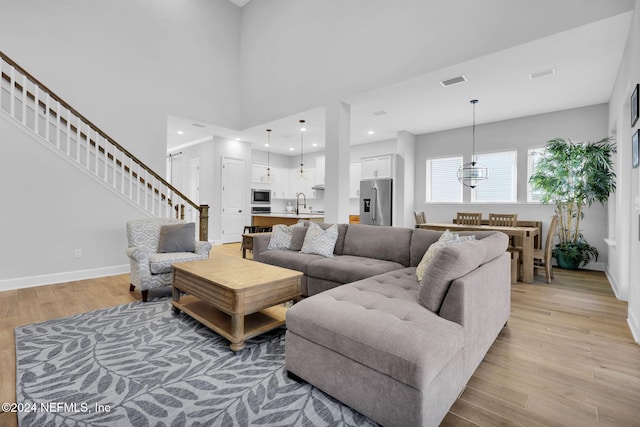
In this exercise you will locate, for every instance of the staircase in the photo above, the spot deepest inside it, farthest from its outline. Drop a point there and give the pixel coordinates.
(55, 123)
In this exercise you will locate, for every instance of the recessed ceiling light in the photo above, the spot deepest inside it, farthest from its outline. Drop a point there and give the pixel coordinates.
(237, 139)
(453, 81)
(544, 73)
(371, 132)
(314, 144)
(266, 145)
(290, 148)
(180, 132)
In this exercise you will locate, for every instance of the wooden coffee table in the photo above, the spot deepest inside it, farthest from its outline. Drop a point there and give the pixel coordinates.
(237, 298)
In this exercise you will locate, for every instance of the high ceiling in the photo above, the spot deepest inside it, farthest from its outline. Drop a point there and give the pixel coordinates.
(585, 60)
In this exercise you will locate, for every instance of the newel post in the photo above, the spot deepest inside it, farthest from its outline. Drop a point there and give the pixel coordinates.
(204, 223)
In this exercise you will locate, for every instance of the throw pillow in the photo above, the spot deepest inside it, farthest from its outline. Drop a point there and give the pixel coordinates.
(281, 236)
(446, 239)
(297, 238)
(177, 238)
(319, 241)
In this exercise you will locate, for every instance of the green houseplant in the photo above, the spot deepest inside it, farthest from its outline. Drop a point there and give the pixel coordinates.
(572, 176)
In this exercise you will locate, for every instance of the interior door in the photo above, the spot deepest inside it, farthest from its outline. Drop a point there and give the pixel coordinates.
(232, 206)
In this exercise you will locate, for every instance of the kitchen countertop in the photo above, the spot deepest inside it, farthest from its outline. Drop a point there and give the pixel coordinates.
(290, 215)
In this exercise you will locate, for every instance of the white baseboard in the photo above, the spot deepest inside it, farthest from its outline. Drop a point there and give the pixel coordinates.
(68, 276)
(634, 325)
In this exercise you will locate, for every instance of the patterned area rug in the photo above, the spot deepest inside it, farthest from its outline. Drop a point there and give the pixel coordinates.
(140, 365)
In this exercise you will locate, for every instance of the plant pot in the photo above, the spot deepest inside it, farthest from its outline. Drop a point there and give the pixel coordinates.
(566, 262)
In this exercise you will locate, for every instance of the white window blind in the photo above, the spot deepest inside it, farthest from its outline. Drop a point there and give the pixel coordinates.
(442, 180)
(501, 185)
(533, 155)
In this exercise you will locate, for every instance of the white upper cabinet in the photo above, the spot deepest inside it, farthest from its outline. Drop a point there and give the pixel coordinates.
(320, 170)
(355, 174)
(259, 173)
(280, 183)
(377, 167)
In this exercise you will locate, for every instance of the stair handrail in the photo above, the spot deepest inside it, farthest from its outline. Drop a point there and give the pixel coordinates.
(202, 209)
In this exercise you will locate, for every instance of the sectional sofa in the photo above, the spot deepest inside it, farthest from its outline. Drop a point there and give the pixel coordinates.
(396, 349)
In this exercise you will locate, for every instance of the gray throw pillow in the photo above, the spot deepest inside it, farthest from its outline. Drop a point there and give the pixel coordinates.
(297, 238)
(177, 238)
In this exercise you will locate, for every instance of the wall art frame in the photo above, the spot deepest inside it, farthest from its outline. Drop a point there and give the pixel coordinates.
(635, 105)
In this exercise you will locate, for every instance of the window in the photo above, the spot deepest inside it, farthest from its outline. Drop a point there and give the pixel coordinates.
(533, 155)
(501, 185)
(442, 180)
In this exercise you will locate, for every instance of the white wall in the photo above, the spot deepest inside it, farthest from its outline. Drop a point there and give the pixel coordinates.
(51, 208)
(298, 55)
(623, 268)
(587, 123)
(127, 64)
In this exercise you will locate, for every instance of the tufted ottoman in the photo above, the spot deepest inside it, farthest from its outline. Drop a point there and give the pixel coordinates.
(371, 345)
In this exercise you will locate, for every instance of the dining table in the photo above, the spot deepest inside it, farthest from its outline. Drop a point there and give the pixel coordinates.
(523, 237)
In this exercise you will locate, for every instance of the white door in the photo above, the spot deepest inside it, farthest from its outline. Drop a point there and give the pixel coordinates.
(194, 189)
(232, 210)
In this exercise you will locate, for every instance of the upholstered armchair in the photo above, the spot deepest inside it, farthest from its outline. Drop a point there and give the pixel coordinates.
(156, 243)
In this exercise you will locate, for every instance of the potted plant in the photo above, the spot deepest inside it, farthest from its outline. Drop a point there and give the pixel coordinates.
(572, 176)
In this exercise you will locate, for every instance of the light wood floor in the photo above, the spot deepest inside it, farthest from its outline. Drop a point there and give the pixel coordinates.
(566, 357)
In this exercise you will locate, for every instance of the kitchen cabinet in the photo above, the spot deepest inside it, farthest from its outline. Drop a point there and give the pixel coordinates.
(259, 173)
(320, 170)
(280, 183)
(355, 175)
(377, 167)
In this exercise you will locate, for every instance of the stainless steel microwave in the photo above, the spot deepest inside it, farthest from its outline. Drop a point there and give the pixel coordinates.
(260, 197)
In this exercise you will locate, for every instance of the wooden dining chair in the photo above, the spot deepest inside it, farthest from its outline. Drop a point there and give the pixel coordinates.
(542, 257)
(420, 217)
(469, 218)
(503, 220)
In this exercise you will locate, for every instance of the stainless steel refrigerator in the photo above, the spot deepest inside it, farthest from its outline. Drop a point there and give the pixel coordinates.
(376, 198)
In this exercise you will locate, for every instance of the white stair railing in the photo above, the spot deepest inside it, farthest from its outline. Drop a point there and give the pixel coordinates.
(54, 122)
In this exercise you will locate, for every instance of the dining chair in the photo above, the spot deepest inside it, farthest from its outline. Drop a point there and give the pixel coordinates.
(420, 217)
(469, 218)
(503, 220)
(542, 257)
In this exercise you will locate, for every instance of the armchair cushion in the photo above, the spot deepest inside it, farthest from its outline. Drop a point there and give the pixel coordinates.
(160, 263)
(177, 238)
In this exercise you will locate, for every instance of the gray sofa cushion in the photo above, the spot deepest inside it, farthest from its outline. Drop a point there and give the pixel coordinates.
(422, 239)
(385, 243)
(177, 238)
(454, 261)
(289, 259)
(379, 323)
(348, 268)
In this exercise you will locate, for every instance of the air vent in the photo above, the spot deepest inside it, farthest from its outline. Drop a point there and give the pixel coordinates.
(549, 72)
(379, 113)
(198, 125)
(453, 81)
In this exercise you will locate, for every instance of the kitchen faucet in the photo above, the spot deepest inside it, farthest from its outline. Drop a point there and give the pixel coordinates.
(298, 202)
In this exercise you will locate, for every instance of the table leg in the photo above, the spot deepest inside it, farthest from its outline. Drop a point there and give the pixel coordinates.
(237, 331)
(527, 258)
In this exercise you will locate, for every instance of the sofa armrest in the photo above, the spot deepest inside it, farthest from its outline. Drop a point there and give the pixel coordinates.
(481, 302)
(260, 243)
(203, 248)
(140, 254)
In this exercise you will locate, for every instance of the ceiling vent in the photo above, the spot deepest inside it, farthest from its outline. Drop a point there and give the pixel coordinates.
(453, 81)
(549, 72)
(198, 125)
(379, 113)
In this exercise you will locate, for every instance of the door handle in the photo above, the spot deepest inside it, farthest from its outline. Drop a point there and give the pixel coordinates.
(374, 204)
(240, 211)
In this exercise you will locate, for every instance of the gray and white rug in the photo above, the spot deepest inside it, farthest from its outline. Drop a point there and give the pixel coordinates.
(140, 365)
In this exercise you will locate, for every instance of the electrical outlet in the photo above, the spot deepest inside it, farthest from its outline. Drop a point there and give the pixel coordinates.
(77, 253)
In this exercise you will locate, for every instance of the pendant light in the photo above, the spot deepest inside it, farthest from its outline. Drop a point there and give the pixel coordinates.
(302, 174)
(471, 174)
(268, 155)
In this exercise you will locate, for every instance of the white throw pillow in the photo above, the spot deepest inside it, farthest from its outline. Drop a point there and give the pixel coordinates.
(319, 241)
(446, 239)
(281, 236)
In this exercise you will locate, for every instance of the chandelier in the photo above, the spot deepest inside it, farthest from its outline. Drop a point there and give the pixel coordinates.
(302, 174)
(471, 174)
(268, 155)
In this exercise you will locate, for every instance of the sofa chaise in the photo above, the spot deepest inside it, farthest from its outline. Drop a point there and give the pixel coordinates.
(395, 349)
